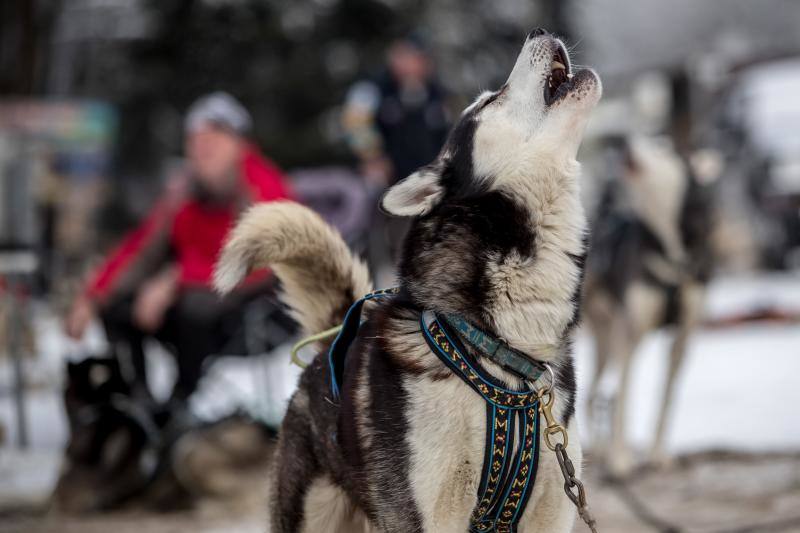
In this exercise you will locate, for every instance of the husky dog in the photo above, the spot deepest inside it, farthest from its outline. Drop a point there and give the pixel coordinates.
(648, 267)
(497, 236)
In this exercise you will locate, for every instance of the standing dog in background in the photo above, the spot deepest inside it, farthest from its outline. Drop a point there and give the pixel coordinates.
(497, 237)
(649, 264)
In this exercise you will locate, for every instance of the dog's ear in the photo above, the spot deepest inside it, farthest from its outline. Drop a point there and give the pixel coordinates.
(415, 195)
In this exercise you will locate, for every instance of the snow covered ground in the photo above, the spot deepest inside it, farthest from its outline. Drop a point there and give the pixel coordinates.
(739, 387)
(738, 390)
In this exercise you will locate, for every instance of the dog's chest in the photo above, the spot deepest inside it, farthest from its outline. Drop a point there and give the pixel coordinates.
(447, 432)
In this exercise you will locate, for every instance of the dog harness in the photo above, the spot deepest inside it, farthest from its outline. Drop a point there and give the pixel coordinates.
(512, 416)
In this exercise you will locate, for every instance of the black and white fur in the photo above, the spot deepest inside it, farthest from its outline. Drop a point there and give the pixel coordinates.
(649, 264)
(497, 236)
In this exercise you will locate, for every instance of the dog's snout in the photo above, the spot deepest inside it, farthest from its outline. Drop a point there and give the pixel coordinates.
(537, 32)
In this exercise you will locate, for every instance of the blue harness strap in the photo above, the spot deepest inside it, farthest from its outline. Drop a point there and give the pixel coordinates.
(337, 354)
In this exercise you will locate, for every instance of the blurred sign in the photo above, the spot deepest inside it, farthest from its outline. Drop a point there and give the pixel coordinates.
(78, 135)
(49, 153)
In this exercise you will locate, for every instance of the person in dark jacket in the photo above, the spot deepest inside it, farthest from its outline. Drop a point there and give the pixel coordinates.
(157, 282)
(397, 123)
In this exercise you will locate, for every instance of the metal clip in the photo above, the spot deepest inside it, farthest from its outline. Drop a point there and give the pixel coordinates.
(546, 401)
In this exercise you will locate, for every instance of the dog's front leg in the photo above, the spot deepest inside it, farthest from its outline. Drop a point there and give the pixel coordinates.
(294, 475)
(644, 310)
(691, 311)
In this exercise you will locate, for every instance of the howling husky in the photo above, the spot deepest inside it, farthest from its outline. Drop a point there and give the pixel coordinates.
(497, 238)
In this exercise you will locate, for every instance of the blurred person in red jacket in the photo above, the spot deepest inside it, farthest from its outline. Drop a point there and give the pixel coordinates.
(157, 282)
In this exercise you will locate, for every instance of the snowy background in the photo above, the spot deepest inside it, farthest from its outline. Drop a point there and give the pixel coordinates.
(739, 388)
(113, 78)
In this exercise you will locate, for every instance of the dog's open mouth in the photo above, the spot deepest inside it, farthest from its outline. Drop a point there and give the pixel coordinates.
(560, 79)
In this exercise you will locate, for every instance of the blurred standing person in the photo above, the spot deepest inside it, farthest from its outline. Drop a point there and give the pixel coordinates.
(157, 283)
(396, 124)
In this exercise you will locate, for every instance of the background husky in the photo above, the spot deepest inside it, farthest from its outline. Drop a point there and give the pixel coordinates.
(649, 264)
(497, 237)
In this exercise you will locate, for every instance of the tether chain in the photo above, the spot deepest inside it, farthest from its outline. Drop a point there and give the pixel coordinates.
(571, 482)
(572, 485)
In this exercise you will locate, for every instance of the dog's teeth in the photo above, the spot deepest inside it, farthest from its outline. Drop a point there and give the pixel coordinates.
(557, 65)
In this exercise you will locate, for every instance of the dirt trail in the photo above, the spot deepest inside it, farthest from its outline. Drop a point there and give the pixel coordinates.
(702, 493)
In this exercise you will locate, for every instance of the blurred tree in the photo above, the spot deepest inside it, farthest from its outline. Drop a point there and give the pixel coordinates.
(291, 63)
(25, 27)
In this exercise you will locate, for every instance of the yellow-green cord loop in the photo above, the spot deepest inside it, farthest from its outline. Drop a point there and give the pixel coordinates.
(328, 333)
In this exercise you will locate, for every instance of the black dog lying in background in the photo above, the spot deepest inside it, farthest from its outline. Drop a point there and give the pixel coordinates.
(124, 450)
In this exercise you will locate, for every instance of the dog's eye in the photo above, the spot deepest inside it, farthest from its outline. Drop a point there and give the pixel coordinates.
(494, 97)
(490, 100)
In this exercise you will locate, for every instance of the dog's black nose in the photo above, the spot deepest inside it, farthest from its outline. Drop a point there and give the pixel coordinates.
(536, 32)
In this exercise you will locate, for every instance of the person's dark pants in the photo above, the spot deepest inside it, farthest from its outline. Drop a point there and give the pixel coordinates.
(198, 324)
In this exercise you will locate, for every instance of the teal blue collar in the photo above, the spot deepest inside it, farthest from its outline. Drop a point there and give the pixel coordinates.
(498, 351)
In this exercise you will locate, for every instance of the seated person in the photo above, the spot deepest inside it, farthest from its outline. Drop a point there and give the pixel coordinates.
(157, 283)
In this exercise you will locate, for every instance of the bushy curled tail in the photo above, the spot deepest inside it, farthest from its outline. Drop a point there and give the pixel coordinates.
(320, 275)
